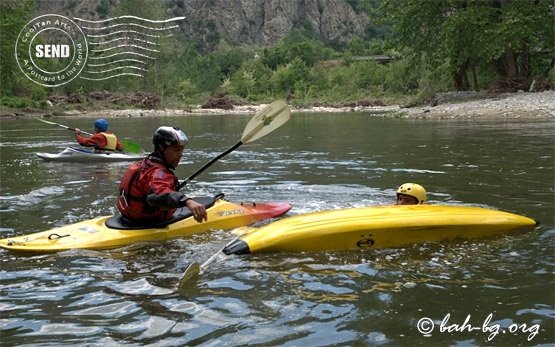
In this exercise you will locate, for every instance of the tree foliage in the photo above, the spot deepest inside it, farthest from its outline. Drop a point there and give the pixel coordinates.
(437, 46)
(474, 35)
(14, 14)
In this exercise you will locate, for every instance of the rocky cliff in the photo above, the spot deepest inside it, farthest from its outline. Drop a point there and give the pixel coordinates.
(263, 22)
(251, 22)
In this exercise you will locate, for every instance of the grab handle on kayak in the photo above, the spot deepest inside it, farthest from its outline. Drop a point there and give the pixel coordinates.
(56, 236)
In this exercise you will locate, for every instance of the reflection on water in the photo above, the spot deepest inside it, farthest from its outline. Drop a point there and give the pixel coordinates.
(315, 162)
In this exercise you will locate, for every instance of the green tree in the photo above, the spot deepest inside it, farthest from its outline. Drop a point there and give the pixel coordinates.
(243, 82)
(356, 47)
(103, 9)
(14, 14)
(470, 34)
(296, 45)
(526, 33)
(287, 77)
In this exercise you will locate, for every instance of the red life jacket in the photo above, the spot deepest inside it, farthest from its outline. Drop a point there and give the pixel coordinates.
(134, 189)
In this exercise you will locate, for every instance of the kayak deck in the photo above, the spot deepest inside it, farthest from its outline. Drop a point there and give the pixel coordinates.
(376, 227)
(95, 234)
(82, 155)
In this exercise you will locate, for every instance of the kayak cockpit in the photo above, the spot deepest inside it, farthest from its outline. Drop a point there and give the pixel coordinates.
(121, 223)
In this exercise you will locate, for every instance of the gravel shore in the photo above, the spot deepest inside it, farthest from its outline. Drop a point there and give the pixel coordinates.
(521, 105)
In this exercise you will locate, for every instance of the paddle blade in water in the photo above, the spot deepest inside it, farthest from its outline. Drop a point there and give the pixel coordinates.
(192, 271)
(266, 120)
(131, 147)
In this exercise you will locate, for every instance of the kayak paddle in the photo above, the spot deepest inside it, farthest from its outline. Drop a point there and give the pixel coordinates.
(264, 122)
(62, 126)
(128, 146)
(195, 269)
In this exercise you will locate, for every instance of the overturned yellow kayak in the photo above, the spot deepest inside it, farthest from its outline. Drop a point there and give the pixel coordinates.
(376, 227)
(111, 231)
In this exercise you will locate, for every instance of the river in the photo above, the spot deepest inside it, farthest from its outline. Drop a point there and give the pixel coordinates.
(497, 291)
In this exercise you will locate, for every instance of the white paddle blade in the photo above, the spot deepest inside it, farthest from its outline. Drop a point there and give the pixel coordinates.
(266, 120)
(192, 271)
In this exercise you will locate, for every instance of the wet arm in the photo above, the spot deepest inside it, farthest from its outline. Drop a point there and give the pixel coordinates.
(165, 200)
(162, 191)
(163, 195)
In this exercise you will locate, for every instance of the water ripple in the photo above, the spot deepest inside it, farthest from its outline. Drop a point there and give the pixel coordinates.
(128, 296)
(137, 287)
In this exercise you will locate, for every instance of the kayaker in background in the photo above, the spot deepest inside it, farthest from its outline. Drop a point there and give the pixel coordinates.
(411, 194)
(102, 139)
(149, 189)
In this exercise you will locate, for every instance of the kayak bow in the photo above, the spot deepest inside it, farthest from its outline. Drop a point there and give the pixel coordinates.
(376, 227)
(109, 232)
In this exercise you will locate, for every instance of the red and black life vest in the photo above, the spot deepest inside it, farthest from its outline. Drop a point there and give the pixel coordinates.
(134, 189)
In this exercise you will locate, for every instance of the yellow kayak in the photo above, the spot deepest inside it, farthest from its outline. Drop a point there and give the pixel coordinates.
(375, 227)
(111, 231)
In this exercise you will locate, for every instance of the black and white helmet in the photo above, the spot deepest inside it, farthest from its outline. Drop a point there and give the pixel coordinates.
(168, 136)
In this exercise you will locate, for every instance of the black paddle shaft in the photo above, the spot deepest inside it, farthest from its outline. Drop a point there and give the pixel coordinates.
(207, 165)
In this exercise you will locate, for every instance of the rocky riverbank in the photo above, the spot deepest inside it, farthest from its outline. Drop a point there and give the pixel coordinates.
(468, 105)
(520, 105)
(455, 106)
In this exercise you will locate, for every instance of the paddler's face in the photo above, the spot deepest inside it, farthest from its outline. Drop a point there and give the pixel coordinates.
(172, 155)
(403, 199)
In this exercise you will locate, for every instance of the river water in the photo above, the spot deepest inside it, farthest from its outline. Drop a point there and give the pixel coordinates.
(497, 291)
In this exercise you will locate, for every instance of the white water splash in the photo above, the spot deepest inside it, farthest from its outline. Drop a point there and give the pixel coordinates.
(33, 198)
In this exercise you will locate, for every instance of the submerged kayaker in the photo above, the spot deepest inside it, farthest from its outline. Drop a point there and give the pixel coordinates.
(411, 194)
(102, 139)
(149, 189)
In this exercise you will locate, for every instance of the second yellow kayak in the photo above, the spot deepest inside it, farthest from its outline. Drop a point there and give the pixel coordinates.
(376, 227)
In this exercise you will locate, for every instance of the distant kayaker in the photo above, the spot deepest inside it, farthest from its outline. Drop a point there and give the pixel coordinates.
(149, 189)
(102, 139)
(411, 194)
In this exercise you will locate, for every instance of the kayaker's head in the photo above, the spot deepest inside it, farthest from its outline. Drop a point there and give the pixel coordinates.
(411, 194)
(101, 125)
(169, 143)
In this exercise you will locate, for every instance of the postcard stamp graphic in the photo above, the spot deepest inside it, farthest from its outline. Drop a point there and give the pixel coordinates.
(52, 50)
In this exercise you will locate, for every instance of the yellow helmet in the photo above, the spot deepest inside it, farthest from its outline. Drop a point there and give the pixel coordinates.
(414, 190)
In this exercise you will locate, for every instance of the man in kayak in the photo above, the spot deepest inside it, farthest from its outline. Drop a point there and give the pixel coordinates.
(149, 189)
(411, 194)
(102, 139)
